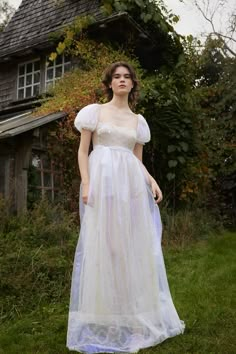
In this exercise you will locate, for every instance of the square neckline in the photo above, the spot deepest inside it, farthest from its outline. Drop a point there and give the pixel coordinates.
(116, 125)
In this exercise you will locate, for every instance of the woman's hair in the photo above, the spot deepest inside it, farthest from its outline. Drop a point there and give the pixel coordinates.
(107, 79)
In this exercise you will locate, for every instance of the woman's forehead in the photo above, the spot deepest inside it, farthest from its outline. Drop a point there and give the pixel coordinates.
(121, 70)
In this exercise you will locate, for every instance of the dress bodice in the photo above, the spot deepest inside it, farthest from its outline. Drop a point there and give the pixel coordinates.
(109, 134)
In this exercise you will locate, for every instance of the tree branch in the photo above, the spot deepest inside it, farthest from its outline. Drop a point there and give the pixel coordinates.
(210, 17)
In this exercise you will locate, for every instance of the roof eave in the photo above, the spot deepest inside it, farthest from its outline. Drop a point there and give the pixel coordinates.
(33, 122)
(45, 42)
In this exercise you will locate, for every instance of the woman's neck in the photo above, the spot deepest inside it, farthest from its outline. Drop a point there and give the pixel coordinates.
(120, 102)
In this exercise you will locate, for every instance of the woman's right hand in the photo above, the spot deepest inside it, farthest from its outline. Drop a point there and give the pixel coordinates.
(85, 191)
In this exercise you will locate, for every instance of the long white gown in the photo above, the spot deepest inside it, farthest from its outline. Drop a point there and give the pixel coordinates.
(120, 299)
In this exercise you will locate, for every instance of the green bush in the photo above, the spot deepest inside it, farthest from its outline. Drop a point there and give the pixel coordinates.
(184, 226)
(36, 257)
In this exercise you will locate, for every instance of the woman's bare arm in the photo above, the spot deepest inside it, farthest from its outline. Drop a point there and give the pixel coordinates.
(138, 152)
(83, 151)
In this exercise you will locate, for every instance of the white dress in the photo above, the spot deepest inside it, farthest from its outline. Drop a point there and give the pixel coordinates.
(120, 299)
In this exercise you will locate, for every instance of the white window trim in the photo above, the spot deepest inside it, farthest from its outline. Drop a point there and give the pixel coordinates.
(25, 86)
(54, 66)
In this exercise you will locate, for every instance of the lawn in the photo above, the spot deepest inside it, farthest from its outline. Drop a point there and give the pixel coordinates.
(202, 283)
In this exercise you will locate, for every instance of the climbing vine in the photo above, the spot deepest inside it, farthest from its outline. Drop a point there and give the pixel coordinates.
(148, 11)
(165, 97)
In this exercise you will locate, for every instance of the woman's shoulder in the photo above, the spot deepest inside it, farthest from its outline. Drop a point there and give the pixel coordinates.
(90, 107)
(87, 117)
(141, 118)
(143, 131)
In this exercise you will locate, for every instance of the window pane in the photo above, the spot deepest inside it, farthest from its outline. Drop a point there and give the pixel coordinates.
(35, 90)
(67, 58)
(21, 69)
(36, 78)
(21, 94)
(21, 81)
(36, 65)
(29, 68)
(47, 179)
(57, 180)
(48, 194)
(59, 60)
(58, 71)
(57, 196)
(29, 79)
(67, 67)
(46, 163)
(49, 74)
(38, 179)
(28, 92)
(36, 194)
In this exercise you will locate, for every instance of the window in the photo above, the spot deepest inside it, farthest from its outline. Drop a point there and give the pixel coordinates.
(45, 177)
(28, 83)
(56, 69)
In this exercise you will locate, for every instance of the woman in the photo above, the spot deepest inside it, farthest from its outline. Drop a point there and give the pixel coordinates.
(120, 299)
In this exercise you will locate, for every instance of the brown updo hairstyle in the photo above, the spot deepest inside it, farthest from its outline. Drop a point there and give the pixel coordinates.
(107, 79)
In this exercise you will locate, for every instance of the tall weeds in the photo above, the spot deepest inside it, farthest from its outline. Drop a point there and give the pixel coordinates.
(37, 252)
(36, 256)
(181, 227)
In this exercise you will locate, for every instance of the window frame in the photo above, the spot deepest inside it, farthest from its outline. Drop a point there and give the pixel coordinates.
(24, 87)
(54, 66)
(42, 170)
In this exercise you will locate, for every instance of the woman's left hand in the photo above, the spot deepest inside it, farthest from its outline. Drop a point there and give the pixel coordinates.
(157, 193)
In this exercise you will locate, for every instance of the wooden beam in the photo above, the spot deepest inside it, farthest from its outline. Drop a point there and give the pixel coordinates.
(23, 155)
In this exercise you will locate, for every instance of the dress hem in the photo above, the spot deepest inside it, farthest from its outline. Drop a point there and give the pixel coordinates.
(174, 333)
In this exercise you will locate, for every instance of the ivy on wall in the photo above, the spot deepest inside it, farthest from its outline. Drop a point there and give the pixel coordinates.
(166, 96)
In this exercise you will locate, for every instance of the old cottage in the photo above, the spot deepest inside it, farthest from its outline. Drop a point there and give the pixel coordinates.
(25, 75)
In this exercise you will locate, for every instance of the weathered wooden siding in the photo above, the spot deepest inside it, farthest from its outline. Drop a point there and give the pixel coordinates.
(23, 156)
(8, 74)
(7, 171)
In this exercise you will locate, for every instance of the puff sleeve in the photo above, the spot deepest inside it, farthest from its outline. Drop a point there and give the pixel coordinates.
(143, 131)
(87, 118)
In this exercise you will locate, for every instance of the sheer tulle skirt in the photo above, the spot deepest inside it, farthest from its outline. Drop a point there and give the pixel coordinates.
(120, 298)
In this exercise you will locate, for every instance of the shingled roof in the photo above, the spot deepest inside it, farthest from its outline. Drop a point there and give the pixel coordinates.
(21, 123)
(35, 19)
(28, 30)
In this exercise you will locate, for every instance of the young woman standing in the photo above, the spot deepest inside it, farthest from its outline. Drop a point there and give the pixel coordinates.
(120, 299)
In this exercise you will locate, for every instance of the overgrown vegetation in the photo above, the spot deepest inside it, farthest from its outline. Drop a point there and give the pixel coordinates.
(188, 100)
(36, 254)
(37, 251)
(36, 260)
(162, 103)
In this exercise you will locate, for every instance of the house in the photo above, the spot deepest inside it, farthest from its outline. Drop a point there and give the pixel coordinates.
(25, 75)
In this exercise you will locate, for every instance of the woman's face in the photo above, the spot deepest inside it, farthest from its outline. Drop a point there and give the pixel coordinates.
(121, 83)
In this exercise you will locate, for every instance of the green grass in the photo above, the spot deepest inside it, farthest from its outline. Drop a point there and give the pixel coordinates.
(202, 283)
